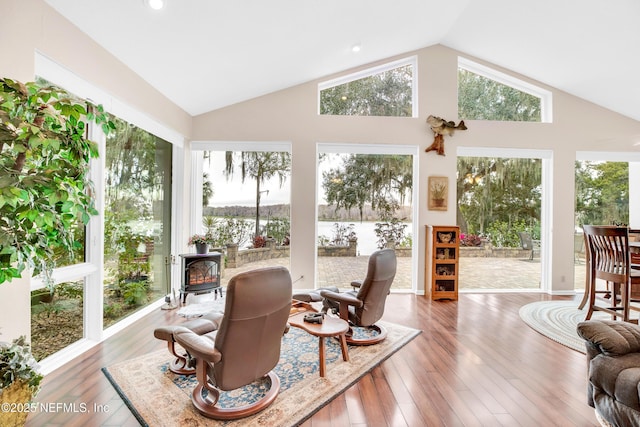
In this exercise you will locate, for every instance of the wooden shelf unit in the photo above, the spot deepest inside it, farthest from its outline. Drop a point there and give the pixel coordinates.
(445, 252)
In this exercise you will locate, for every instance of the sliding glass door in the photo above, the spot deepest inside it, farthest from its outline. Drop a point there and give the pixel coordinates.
(137, 217)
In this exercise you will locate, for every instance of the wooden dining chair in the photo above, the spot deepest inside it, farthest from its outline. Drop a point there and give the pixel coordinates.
(610, 260)
(587, 284)
(634, 247)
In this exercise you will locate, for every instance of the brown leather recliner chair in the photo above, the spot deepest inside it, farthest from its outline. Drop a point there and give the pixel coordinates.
(365, 306)
(247, 345)
(613, 362)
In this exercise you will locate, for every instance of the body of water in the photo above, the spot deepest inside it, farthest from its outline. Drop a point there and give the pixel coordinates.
(365, 232)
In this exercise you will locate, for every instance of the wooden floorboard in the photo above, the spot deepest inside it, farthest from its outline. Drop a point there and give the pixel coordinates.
(474, 364)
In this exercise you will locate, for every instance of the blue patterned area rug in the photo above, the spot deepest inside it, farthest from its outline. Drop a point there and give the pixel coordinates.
(158, 397)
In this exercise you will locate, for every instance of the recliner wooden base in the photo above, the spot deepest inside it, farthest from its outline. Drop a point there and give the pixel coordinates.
(380, 336)
(207, 406)
(179, 365)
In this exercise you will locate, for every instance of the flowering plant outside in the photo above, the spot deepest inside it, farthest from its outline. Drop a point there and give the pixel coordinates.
(259, 242)
(470, 240)
(200, 239)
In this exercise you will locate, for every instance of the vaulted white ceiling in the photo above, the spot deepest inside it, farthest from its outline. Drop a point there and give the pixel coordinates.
(207, 54)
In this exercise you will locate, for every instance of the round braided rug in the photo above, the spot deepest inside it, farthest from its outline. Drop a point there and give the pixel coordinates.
(557, 320)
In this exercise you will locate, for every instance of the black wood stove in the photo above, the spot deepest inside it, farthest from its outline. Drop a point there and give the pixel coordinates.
(200, 274)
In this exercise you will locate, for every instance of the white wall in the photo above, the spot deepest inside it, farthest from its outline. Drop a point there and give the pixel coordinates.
(15, 309)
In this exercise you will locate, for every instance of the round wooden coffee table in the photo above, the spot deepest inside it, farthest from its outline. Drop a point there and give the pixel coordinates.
(330, 327)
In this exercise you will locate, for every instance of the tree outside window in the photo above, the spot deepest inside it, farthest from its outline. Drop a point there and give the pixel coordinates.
(388, 93)
(480, 98)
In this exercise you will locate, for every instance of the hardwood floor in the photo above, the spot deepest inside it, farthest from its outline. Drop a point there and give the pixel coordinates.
(475, 364)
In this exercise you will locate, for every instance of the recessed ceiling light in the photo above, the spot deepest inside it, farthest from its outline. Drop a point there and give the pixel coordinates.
(356, 47)
(155, 4)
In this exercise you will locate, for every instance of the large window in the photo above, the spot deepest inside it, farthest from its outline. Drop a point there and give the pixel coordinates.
(603, 187)
(502, 204)
(136, 243)
(245, 192)
(388, 90)
(365, 195)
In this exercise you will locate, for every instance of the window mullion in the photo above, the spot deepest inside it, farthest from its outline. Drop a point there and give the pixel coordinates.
(93, 292)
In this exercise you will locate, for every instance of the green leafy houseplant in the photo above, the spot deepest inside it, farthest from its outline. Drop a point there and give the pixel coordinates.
(17, 363)
(19, 379)
(45, 190)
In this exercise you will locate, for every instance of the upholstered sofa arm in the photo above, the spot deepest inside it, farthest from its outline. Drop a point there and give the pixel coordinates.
(198, 346)
(344, 297)
(610, 337)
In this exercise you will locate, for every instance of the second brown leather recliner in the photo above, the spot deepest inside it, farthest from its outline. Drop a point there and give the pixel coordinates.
(365, 306)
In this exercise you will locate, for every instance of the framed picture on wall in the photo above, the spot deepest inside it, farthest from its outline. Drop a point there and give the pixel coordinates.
(438, 195)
